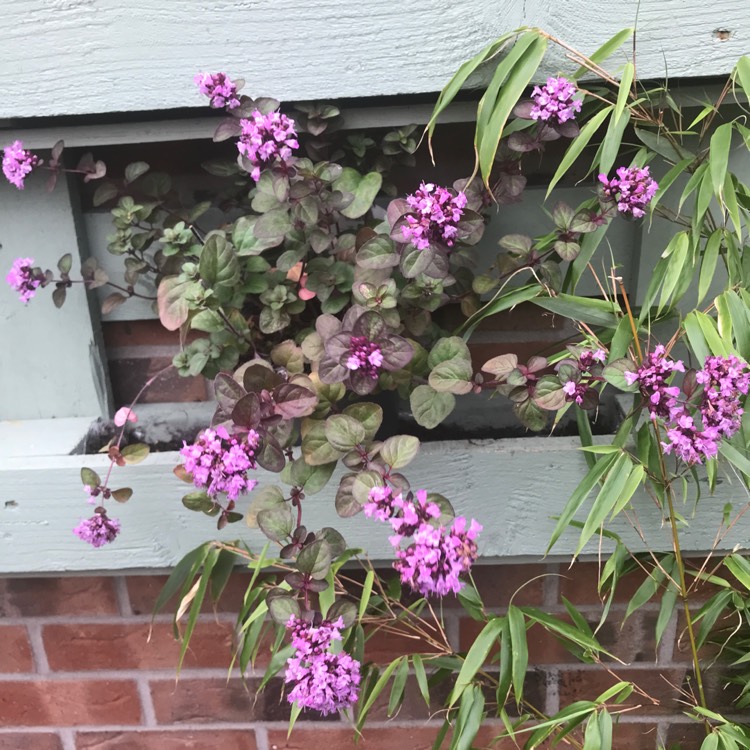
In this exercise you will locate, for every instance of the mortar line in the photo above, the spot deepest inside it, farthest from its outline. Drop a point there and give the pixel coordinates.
(38, 652)
(67, 738)
(261, 737)
(148, 713)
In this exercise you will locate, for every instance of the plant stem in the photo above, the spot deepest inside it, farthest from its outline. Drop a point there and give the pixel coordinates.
(683, 589)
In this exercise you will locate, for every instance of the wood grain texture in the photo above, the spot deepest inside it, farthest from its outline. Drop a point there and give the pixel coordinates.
(513, 487)
(92, 56)
(53, 364)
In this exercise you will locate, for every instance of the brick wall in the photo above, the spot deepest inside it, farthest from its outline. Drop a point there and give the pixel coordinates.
(78, 671)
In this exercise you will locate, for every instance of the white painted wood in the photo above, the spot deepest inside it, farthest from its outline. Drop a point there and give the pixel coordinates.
(89, 56)
(42, 437)
(513, 487)
(52, 364)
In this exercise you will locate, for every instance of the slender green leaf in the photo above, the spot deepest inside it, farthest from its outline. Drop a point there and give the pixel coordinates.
(721, 143)
(708, 264)
(519, 651)
(579, 496)
(606, 50)
(476, 656)
(421, 677)
(519, 76)
(588, 131)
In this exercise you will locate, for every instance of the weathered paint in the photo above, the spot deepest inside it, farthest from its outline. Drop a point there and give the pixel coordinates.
(52, 363)
(90, 56)
(513, 487)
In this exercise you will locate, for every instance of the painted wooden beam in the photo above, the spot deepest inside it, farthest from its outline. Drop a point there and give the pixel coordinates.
(513, 487)
(52, 363)
(96, 56)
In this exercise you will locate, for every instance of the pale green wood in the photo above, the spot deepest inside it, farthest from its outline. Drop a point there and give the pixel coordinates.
(142, 55)
(513, 487)
(52, 361)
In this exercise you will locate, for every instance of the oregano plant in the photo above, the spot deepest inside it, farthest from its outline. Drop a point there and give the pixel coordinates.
(324, 289)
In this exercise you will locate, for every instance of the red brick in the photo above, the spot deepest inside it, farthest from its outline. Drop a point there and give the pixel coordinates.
(579, 584)
(15, 650)
(68, 703)
(73, 595)
(177, 740)
(129, 375)
(686, 736)
(496, 584)
(207, 701)
(144, 591)
(384, 646)
(325, 738)
(128, 646)
(119, 333)
(30, 741)
(662, 685)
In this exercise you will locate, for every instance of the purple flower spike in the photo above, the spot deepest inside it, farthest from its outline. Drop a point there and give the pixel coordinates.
(219, 462)
(219, 88)
(436, 212)
(98, 530)
(323, 681)
(554, 102)
(22, 279)
(266, 139)
(632, 189)
(18, 163)
(438, 556)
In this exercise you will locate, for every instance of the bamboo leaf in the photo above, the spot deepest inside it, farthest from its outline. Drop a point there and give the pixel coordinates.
(588, 131)
(592, 311)
(606, 50)
(708, 264)
(476, 656)
(519, 651)
(721, 143)
(626, 83)
(579, 496)
(397, 689)
(448, 94)
(520, 74)
(421, 677)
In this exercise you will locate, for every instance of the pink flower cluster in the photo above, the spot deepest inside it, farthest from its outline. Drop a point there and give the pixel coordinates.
(365, 355)
(554, 102)
(323, 681)
(219, 88)
(652, 378)
(18, 163)
(98, 530)
(219, 462)
(632, 189)
(266, 139)
(438, 555)
(724, 379)
(438, 212)
(576, 390)
(22, 279)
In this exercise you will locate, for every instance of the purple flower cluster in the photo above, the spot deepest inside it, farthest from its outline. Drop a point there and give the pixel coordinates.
(438, 555)
(723, 380)
(366, 356)
(22, 279)
(323, 681)
(267, 138)
(98, 530)
(554, 102)
(575, 391)
(632, 189)
(219, 462)
(219, 88)
(435, 216)
(18, 163)
(694, 437)
(652, 378)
